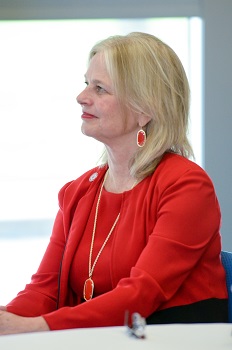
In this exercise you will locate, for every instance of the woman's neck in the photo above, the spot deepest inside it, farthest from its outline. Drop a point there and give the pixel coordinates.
(119, 178)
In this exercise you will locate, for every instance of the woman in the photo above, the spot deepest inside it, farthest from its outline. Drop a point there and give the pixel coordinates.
(140, 233)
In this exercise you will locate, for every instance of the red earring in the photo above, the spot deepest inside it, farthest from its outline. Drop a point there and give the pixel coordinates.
(141, 138)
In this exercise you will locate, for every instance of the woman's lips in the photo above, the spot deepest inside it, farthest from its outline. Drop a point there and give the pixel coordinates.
(87, 116)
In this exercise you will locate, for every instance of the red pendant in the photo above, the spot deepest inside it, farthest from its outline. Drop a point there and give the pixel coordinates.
(141, 138)
(88, 289)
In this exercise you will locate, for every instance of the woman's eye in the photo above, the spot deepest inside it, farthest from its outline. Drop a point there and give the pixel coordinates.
(100, 89)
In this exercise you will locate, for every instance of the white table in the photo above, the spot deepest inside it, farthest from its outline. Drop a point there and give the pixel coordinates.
(158, 337)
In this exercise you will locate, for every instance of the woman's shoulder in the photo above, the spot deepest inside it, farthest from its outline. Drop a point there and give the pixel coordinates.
(179, 163)
(174, 166)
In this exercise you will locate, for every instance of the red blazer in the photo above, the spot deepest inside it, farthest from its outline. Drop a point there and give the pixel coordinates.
(165, 253)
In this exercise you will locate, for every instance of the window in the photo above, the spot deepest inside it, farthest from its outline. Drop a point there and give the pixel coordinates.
(41, 146)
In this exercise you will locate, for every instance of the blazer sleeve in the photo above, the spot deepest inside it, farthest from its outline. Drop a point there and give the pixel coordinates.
(41, 294)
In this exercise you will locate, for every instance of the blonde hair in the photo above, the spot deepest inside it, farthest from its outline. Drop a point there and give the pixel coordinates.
(149, 78)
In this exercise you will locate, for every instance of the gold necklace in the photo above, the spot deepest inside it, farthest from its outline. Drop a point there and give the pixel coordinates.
(89, 284)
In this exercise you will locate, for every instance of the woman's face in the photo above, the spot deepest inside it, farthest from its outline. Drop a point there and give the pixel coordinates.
(102, 116)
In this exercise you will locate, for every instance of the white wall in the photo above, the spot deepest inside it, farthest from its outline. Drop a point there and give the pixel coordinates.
(217, 77)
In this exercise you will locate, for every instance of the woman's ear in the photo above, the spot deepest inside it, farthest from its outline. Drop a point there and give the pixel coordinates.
(143, 119)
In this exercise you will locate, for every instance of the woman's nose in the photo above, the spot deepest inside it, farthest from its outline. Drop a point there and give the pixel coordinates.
(79, 98)
(83, 98)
